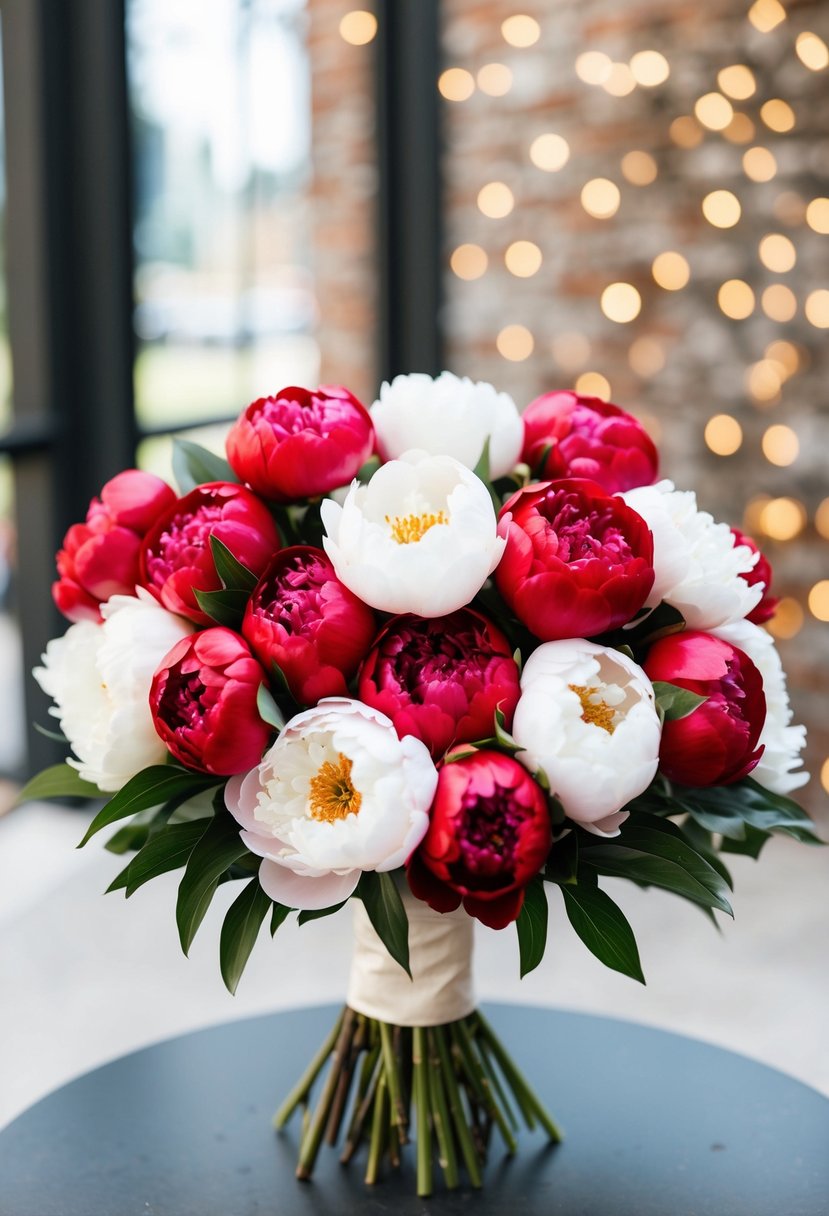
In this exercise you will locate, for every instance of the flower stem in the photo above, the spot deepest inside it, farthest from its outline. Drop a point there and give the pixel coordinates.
(421, 1096)
(459, 1118)
(524, 1095)
(310, 1145)
(392, 1074)
(440, 1114)
(379, 1131)
(304, 1085)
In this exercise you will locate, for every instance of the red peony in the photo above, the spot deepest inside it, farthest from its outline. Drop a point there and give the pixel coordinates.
(176, 559)
(301, 443)
(567, 435)
(717, 743)
(578, 561)
(489, 834)
(100, 558)
(441, 679)
(301, 617)
(761, 573)
(203, 702)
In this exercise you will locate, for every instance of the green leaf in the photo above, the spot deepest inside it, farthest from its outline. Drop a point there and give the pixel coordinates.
(563, 861)
(367, 471)
(229, 569)
(728, 809)
(50, 734)
(134, 835)
(750, 846)
(604, 929)
(240, 930)
(151, 787)
(278, 916)
(225, 607)
(532, 926)
(702, 842)
(268, 709)
(216, 850)
(673, 702)
(167, 850)
(482, 468)
(317, 913)
(384, 906)
(652, 851)
(193, 466)
(59, 781)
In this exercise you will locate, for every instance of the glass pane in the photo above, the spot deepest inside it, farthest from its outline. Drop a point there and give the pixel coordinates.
(637, 206)
(225, 306)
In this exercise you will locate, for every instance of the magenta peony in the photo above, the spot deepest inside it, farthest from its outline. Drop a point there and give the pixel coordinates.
(760, 575)
(301, 617)
(441, 679)
(489, 834)
(203, 702)
(578, 561)
(301, 443)
(717, 743)
(176, 560)
(567, 435)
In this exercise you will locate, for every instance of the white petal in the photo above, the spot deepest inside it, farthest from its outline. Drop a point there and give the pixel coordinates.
(307, 894)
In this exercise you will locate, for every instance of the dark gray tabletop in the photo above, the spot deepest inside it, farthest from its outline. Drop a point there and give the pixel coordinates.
(656, 1125)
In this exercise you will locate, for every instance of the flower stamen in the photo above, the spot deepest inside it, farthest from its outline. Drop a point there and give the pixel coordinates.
(594, 710)
(331, 794)
(408, 529)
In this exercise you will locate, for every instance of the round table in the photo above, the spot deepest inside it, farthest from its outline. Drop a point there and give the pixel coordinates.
(656, 1125)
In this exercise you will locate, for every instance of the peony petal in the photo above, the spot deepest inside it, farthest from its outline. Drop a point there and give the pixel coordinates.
(307, 894)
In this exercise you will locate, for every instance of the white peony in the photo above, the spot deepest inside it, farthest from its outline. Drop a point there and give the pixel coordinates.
(336, 794)
(587, 719)
(420, 537)
(448, 416)
(100, 677)
(782, 741)
(697, 564)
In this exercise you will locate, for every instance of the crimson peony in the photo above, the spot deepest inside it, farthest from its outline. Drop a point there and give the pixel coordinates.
(760, 575)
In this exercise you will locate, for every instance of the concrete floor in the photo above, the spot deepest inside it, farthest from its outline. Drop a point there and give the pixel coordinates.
(86, 977)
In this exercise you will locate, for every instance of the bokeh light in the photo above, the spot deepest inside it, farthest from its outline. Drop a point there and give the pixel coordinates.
(469, 261)
(819, 600)
(778, 115)
(621, 302)
(358, 27)
(456, 84)
(824, 775)
(822, 518)
(764, 381)
(686, 132)
(646, 357)
(737, 82)
(494, 79)
(594, 67)
(783, 518)
(817, 308)
(520, 30)
(779, 302)
(549, 152)
(740, 130)
(766, 15)
(759, 164)
(714, 111)
(817, 215)
(723, 434)
(736, 299)
(571, 351)
(495, 200)
(600, 198)
(785, 354)
(523, 259)
(787, 620)
(593, 384)
(671, 270)
(650, 68)
(639, 168)
(777, 253)
(721, 208)
(781, 445)
(812, 51)
(620, 80)
(515, 342)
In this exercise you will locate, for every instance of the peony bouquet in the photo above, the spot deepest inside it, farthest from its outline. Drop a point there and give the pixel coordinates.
(436, 657)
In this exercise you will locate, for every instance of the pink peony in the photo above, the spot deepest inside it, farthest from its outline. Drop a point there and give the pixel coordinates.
(717, 743)
(176, 559)
(759, 575)
(301, 443)
(301, 617)
(441, 679)
(203, 702)
(578, 561)
(567, 435)
(101, 558)
(489, 834)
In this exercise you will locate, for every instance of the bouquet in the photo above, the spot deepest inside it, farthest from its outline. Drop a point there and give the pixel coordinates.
(434, 657)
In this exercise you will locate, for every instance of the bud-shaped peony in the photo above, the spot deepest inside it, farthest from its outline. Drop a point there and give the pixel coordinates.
(568, 435)
(203, 702)
(448, 416)
(301, 617)
(489, 834)
(176, 559)
(101, 558)
(587, 719)
(300, 443)
(578, 561)
(100, 677)
(420, 537)
(718, 742)
(760, 575)
(441, 679)
(337, 793)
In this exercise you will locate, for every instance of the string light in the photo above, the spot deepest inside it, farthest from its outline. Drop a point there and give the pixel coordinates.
(601, 198)
(495, 200)
(779, 302)
(639, 168)
(456, 84)
(812, 51)
(714, 111)
(740, 130)
(778, 115)
(671, 271)
(766, 15)
(819, 600)
(685, 132)
(469, 261)
(620, 80)
(737, 82)
(593, 384)
(521, 31)
(817, 308)
(736, 299)
(571, 351)
(549, 152)
(646, 357)
(515, 342)
(523, 259)
(594, 67)
(358, 27)
(621, 302)
(723, 434)
(781, 446)
(494, 79)
(783, 518)
(777, 253)
(787, 620)
(817, 215)
(759, 164)
(650, 68)
(721, 208)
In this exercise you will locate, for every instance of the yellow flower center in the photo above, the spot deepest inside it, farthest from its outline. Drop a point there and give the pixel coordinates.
(596, 712)
(408, 529)
(331, 793)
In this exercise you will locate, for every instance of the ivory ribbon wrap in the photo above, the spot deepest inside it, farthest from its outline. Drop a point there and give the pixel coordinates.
(440, 957)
